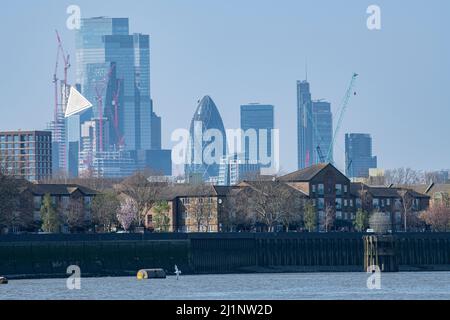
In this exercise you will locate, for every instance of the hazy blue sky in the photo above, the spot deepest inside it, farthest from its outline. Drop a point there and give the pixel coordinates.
(241, 51)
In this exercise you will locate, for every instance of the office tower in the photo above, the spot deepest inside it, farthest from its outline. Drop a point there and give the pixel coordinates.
(113, 72)
(236, 168)
(323, 132)
(259, 119)
(156, 132)
(112, 164)
(200, 163)
(156, 162)
(358, 155)
(26, 154)
(304, 125)
(58, 127)
(113, 69)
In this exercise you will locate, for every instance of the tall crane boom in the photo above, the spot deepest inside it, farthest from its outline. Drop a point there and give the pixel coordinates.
(345, 103)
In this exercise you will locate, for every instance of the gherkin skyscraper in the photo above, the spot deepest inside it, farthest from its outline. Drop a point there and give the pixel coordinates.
(206, 130)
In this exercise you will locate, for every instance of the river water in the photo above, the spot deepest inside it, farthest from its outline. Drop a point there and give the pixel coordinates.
(317, 286)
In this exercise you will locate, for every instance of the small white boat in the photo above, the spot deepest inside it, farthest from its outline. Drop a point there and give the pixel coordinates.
(3, 280)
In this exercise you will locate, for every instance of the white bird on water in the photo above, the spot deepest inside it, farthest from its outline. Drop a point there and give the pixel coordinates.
(177, 272)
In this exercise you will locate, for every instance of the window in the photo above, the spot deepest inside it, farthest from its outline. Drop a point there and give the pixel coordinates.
(313, 188)
(87, 201)
(388, 202)
(37, 202)
(345, 203)
(65, 201)
(345, 188)
(338, 214)
(321, 188)
(339, 189)
(338, 203)
(321, 203)
(376, 203)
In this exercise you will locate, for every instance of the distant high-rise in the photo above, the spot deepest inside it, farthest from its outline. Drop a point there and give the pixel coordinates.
(156, 132)
(113, 72)
(260, 118)
(305, 131)
(323, 132)
(26, 154)
(235, 168)
(358, 155)
(202, 163)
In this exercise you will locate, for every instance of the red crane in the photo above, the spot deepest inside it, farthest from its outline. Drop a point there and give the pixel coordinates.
(66, 58)
(120, 138)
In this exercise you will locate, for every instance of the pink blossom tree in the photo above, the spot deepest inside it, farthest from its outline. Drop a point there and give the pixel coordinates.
(127, 213)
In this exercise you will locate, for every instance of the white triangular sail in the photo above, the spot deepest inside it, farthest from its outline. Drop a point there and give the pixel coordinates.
(76, 103)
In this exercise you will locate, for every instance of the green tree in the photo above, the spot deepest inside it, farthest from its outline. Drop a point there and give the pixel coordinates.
(161, 220)
(310, 217)
(104, 210)
(50, 219)
(361, 220)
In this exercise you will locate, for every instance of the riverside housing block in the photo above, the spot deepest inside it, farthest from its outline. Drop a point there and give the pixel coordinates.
(206, 208)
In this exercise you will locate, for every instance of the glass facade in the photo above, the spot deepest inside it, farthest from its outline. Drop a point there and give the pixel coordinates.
(113, 70)
(323, 132)
(258, 117)
(304, 125)
(113, 73)
(358, 155)
(206, 117)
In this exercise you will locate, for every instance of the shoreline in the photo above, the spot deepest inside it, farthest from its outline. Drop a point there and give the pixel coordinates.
(267, 271)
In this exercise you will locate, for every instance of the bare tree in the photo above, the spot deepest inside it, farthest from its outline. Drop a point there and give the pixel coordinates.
(201, 206)
(142, 191)
(437, 217)
(404, 177)
(235, 214)
(75, 218)
(16, 204)
(273, 202)
(329, 217)
(407, 202)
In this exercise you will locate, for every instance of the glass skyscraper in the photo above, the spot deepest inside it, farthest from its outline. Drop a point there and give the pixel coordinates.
(113, 70)
(305, 147)
(358, 155)
(260, 118)
(323, 131)
(113, 73)
(206, 120)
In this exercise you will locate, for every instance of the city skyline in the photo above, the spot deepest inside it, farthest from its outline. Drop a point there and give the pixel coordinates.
(384, 98)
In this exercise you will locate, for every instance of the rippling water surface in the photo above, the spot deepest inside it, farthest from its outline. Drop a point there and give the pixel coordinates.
(323, 286)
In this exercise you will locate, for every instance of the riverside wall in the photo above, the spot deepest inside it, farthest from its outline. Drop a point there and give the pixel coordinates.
(39, 256)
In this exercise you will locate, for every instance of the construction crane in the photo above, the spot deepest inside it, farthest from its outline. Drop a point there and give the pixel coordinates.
(116, 94)
(59, 107)
(320, 154)
(66, 58)
(345, 103)
(317, 135)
